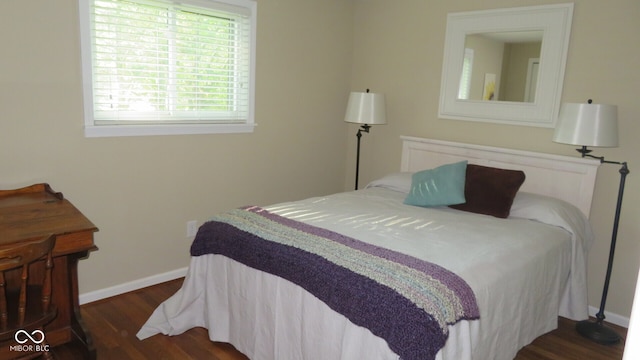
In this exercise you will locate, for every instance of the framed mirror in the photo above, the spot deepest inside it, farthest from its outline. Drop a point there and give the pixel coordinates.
(505, 65)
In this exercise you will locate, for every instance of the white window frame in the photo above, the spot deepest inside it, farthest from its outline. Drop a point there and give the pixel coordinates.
(92, 128)
(465, 78)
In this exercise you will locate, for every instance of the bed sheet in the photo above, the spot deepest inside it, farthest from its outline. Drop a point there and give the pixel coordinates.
(519, 271)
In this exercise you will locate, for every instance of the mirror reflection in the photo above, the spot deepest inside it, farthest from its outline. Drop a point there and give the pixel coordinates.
(501, 66)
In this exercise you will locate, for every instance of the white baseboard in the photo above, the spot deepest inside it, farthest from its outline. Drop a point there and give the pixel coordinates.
(131, 286)
(611, 317)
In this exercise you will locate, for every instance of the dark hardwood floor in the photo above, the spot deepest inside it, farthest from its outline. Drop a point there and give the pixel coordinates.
(115, 321)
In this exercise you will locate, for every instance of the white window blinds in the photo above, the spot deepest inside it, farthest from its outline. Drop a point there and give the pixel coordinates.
(160, 62)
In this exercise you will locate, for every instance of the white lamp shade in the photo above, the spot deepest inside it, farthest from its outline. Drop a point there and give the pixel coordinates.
(587, 125)
(366, 108)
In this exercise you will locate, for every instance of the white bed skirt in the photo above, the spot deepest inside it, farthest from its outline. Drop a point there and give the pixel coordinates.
(262, 329)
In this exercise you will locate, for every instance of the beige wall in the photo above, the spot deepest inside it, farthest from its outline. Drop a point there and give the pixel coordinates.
(398, 49)
(141, 191)
(513, 83)
(488, 57)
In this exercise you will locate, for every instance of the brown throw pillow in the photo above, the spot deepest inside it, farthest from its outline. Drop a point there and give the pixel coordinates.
(490, 191)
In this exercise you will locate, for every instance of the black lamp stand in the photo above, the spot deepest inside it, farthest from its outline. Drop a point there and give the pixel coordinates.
(364, 128)
(597, 331)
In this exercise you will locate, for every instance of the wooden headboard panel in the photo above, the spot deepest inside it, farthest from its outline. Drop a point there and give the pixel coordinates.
(571, 179)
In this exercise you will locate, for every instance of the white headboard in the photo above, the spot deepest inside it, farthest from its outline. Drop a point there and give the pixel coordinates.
(571, 179)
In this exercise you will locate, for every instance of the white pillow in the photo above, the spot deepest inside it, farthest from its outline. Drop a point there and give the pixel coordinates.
(554, 212)
(400, 181)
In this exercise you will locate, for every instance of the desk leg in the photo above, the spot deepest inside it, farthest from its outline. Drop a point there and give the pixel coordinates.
(78, 327)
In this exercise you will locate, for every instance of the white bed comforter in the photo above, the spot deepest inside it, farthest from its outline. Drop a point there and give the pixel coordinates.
(523, 272)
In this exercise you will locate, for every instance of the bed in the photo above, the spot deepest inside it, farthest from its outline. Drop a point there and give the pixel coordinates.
(501, 280)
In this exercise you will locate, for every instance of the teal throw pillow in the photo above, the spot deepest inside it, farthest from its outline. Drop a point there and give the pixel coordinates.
(439, 186)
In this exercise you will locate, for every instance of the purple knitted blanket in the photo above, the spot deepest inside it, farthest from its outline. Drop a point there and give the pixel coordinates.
(404, 300)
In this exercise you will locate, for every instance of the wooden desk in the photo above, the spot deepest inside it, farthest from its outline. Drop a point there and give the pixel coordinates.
(36, 211)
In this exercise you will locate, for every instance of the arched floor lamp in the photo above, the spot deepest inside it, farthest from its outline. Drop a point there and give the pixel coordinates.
(595, 125)
(368, 109)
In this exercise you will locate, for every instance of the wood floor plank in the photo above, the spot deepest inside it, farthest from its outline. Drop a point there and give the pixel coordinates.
(114, 323)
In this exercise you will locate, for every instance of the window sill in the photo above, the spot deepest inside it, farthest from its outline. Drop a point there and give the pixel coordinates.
(151, 130)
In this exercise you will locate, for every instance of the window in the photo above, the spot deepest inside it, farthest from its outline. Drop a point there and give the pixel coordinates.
(465, 78)
(155, 67)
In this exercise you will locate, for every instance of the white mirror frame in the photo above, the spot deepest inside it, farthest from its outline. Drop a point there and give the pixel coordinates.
(553, 20)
